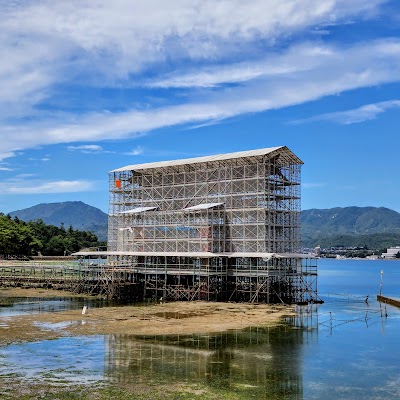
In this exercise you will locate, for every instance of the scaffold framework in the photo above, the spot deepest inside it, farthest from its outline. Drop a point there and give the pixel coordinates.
(224, 227)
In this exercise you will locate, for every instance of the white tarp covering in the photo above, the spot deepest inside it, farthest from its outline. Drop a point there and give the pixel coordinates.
(137, 210)
(202, 206)
(217, 157)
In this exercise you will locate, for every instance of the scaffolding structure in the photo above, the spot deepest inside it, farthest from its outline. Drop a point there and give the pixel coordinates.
(224, 227)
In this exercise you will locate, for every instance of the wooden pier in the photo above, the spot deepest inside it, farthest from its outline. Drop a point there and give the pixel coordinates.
(393, 301)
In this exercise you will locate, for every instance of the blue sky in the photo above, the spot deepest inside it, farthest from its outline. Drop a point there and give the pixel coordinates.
(90, 86)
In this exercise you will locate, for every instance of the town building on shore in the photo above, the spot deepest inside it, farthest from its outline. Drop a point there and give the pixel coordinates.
(391, 253)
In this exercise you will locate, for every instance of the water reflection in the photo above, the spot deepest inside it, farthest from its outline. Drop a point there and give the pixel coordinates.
(260, 362)
(345, 348)
(72, 359)
(14, 306)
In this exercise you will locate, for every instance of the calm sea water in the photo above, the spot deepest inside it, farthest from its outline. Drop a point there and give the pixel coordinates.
(346, 348)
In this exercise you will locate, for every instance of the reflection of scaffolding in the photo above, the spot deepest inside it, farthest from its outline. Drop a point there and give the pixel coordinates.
(257, 362)
(214, 228)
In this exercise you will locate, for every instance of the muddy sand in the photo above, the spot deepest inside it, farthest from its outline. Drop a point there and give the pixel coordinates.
(36, 293)
(175, 318)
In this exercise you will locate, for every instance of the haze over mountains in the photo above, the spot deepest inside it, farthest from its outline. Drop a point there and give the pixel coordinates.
(351, 226)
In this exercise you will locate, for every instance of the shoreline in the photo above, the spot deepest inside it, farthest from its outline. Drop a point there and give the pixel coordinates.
(14, 292)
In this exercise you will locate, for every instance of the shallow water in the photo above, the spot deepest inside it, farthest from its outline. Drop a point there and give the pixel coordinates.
(345, 348)
(20, 306)
(10, 307)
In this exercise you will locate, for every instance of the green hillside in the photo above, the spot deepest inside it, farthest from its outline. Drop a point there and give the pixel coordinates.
(350, 226)
(77, 214)
(20, 239)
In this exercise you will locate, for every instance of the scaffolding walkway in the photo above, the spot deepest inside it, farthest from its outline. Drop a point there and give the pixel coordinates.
(102, 281)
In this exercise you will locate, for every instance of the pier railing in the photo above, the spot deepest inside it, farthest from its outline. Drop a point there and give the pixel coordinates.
(70, 276)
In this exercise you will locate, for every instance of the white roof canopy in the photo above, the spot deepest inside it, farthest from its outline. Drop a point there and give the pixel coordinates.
(202, 206)
(137, 210)
(214, 158)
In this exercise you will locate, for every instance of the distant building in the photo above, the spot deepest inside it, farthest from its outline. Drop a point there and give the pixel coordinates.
(391, 253)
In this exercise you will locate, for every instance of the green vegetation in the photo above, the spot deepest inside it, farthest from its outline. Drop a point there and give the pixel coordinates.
(27, 390)
(371, 228)
(377, 241)
(19, 238)
(76, 213)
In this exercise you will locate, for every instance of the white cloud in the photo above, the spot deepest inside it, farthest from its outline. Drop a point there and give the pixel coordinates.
(364, 113)
(87, 148)
(135, 152)
(325, 71)
(22, 176)
(312, 185)
(21, 186)
(44, 159)
(50, 44)
(6, 155)
(5, 168)
(296, 59)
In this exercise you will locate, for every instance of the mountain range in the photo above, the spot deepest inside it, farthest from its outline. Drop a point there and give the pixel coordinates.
(348, 226)
(77, 214)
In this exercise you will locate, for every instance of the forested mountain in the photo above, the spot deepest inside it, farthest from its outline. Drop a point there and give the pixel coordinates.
(77, 214)
(20, 238)
(350, 226)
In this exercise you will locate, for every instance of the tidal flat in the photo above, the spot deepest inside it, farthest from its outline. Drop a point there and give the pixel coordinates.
(344, 348)
(49, 350)
(176, 318)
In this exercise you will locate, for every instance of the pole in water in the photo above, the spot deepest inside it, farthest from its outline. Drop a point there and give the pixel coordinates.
(380, 286)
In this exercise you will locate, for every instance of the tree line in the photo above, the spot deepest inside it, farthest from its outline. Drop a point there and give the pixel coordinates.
(20, 239)
(375, 242)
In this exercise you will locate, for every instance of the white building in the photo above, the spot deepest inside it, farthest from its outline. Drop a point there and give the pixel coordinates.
(391, 253)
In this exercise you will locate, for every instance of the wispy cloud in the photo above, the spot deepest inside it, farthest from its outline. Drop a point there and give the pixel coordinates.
(364, 113)
(295, 59)
(21, 186)
(6, 155)
(87, 148)
(48, 45)
(334, 70)
(135, 152)
(5, 168)
(44, 159)
(312, 185)
(23, 176)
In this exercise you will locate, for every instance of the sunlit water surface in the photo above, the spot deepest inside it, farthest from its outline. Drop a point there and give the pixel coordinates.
(346, 348)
